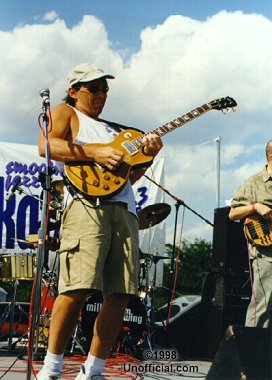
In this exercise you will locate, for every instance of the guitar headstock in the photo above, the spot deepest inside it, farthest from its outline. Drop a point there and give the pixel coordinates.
(223, 104)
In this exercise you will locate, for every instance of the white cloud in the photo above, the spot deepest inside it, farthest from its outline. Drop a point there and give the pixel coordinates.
(182, 63)
(50, 16)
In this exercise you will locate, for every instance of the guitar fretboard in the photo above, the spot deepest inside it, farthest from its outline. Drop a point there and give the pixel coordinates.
(172, 125)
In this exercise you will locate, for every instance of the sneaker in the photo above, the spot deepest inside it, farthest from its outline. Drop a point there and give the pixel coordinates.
(82, 376)
(43, 376)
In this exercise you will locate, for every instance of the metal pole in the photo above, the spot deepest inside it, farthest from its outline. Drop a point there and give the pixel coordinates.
(35, 315)
(218, 142)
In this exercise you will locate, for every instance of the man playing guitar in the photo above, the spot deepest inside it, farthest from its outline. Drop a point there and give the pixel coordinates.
(99, 237)
(253, 201)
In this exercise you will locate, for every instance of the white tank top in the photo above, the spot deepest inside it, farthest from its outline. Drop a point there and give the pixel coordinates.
(93, 131)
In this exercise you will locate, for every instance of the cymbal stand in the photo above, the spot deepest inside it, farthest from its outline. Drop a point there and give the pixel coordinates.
(49, 281)
(149, 305)
(12, 307)
(8, 316)
(76, 340)
(179, 202)
(152, 290)
(34, 315)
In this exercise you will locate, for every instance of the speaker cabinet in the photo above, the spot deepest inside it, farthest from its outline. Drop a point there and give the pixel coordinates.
(219, 318)
(230, 251)
(244, 353)
(229, 278)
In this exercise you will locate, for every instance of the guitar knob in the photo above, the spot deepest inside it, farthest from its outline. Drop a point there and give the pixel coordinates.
(105, 187)
(95, 183)
(106, 177)
(116, 181)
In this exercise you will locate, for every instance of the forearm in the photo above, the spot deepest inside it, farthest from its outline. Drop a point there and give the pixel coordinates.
(241, 212)
(66, 151)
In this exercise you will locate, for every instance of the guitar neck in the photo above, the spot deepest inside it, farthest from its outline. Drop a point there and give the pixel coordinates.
(174, 124)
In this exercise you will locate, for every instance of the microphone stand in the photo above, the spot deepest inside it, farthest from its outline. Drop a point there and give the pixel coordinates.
(34, 317)
(179, 202)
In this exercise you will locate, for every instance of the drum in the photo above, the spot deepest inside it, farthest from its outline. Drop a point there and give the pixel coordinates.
(134, 322)
(18, 266)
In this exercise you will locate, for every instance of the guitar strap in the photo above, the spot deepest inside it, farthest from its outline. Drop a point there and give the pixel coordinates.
(119, 127)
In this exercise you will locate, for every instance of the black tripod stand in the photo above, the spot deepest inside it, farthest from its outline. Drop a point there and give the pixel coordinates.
(8, 316)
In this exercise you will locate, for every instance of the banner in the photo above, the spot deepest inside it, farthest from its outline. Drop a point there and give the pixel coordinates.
(21, 170)
(152, 239)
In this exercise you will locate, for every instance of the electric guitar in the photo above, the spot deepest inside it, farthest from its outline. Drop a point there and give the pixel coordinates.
(258, 230)
(95, 180)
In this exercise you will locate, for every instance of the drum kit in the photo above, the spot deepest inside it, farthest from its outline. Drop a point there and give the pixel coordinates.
(21, 266)
(138, 322)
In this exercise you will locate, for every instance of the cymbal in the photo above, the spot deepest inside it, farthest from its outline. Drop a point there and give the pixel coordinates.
(30, 244)
(153, 214)
(52, 243)
(156, 258)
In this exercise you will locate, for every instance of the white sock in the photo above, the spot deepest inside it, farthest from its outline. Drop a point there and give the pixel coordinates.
(94, 366)
(53, 363)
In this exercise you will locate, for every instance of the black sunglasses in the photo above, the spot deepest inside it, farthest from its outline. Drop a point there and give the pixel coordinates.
(94, 89)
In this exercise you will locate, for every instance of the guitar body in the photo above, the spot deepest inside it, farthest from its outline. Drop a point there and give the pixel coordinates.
(97, 181)
(258, 230)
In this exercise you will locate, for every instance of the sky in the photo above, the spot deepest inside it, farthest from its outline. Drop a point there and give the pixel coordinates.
(168, 57)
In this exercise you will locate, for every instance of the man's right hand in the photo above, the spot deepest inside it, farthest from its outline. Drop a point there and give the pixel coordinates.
(109, 157)
(263, 210)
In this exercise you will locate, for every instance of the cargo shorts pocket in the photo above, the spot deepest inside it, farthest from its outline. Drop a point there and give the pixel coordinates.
(70, 265)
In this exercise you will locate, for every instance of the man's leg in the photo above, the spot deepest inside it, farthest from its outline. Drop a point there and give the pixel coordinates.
(64, 317)
(259, 309)
(108, 324)
(106, 328)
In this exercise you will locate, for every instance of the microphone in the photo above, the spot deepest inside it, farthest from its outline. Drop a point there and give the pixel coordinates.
(45, 94)
(13, 189)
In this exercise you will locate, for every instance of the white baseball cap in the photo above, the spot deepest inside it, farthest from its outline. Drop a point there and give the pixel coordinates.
(86, 72)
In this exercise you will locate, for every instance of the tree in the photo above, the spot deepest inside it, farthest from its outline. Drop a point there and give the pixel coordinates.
(194, 262)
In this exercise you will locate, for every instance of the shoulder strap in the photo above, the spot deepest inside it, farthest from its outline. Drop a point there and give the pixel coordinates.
(119, 127)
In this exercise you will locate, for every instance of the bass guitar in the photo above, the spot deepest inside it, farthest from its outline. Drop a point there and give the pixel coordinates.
(258, 230)
(95, 180)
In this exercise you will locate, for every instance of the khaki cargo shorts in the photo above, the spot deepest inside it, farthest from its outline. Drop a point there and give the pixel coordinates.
(99, 248)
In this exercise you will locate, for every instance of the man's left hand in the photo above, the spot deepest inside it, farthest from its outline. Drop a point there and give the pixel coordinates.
(152, 144)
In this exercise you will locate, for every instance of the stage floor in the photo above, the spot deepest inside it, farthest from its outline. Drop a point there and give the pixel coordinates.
(13, 366)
